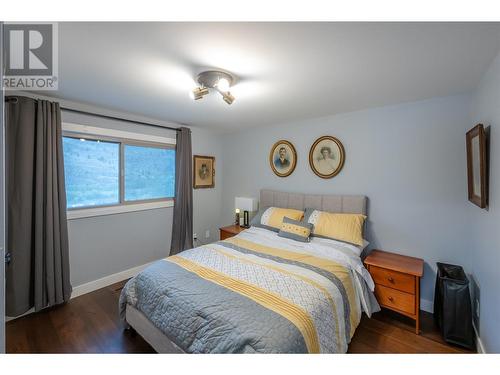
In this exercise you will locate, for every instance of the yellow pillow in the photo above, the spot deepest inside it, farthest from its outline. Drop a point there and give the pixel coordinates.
(272, 217)
(342, 227)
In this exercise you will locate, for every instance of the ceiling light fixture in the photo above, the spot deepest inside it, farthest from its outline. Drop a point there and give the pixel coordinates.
(214, 79)
(198, 93)
(228, 98)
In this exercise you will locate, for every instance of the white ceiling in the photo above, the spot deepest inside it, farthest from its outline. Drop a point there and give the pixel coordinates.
(286, 71)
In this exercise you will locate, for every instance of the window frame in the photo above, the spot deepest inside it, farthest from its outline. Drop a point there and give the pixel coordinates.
(122, 138)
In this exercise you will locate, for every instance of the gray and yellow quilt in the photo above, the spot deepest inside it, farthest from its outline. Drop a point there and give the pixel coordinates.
(256, 292)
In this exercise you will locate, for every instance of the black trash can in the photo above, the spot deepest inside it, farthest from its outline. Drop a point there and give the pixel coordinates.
(452, 305)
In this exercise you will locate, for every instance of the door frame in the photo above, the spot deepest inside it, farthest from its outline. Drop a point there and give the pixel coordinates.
(2, 200)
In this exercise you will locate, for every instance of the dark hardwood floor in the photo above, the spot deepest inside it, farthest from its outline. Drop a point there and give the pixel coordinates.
(388, 332)
(90, 324)
(86, 324)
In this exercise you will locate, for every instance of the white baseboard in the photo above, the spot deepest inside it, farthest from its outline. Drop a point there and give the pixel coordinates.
(96, 284)
(9, 318)
(479, 343)
(427, 305)
(107, 280)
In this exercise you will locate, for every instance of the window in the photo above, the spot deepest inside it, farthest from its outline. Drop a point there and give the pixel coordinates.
(107, 171)
(149, 173)
(92, 172)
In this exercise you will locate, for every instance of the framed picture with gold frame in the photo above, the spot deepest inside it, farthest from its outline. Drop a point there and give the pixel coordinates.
(283, 158)
(477, 166)
(326, 156)
(203, 172)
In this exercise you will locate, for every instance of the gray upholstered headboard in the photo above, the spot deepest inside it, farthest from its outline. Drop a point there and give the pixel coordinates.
(352, 204)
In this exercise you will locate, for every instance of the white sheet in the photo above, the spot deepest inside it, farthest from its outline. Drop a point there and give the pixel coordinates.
(337, 251)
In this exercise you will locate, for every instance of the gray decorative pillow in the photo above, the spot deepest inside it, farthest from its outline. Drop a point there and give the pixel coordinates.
(295, 230)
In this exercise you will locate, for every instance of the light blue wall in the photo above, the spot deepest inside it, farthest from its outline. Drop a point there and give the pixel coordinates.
(483, 257)
(409, 160)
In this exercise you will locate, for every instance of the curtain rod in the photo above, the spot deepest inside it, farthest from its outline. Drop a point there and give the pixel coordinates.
(118, 118)
(14, 100)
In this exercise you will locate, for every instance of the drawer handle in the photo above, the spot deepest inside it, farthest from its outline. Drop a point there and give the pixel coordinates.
(391, 299)
(391, 280)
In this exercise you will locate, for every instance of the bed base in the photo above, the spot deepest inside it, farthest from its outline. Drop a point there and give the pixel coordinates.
(152, 335)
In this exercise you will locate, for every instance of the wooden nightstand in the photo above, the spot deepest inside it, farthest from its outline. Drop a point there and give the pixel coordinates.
(397, 282)
(230, 231)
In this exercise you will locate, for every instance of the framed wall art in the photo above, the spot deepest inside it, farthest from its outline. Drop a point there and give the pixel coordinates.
(203, 172)
(326, 156)
(477, 168)
(283, 158)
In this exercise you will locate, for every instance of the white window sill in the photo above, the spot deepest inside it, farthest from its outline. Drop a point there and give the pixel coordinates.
(113, 210)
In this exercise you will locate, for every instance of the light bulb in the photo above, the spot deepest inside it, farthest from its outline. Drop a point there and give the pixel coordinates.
(223, 85)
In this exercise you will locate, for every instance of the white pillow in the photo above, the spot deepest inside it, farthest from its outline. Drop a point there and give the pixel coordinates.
(357, 250)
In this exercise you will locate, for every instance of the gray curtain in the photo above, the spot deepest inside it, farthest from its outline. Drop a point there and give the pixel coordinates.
(182, 226)
(37, 234)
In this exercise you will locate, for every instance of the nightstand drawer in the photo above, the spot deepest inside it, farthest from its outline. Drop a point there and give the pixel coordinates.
(393, 279)
(395, 299)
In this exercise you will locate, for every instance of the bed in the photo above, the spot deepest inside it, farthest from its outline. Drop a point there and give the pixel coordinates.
(255, 292)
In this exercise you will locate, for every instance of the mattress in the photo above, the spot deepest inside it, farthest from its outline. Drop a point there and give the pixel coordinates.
(255, 293)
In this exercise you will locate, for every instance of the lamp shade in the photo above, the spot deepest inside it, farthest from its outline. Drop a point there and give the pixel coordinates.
(245, 204)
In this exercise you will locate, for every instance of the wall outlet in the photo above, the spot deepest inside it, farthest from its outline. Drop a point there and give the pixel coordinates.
(195, 236)
(207, 234)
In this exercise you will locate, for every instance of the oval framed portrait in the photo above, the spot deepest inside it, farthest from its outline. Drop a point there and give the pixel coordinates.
(326, 156)
(283, 158)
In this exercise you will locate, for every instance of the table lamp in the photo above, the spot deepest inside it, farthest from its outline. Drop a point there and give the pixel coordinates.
(237, 217)
(247, 205)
